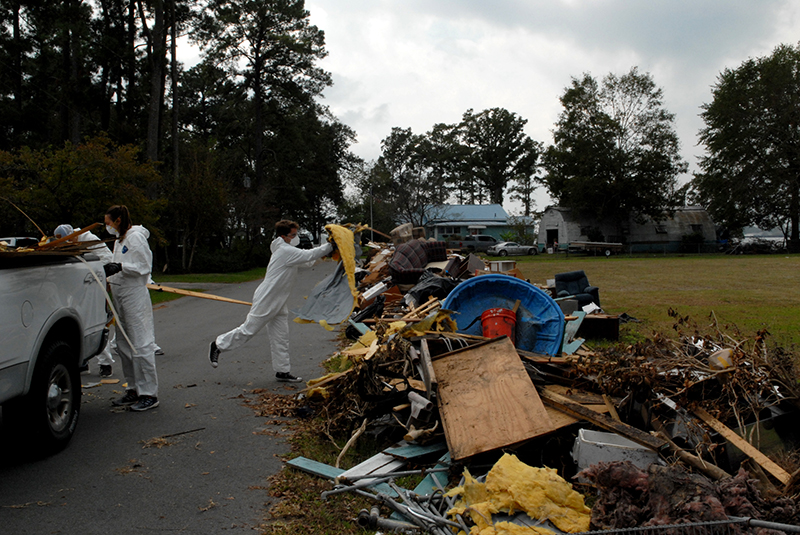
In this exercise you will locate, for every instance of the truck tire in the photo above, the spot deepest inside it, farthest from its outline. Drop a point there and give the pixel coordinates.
(47, 415)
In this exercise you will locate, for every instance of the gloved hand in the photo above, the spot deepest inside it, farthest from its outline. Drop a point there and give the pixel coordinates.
(112, 268)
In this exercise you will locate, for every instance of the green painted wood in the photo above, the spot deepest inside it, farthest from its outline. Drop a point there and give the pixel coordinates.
(412, 451)
(315, 468)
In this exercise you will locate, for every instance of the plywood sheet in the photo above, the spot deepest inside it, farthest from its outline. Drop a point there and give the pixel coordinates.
(486, 399)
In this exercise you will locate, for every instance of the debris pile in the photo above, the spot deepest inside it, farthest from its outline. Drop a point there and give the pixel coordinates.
(50, 246)
(456, 364)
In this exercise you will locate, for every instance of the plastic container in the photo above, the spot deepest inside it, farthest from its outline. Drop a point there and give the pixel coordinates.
(539, 320)
(592, 447)
(497, 322)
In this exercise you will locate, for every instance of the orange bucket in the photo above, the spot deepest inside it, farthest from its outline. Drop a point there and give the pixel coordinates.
(497, 322)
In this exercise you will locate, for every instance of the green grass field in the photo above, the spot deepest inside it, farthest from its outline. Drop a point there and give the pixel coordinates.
(751, 292)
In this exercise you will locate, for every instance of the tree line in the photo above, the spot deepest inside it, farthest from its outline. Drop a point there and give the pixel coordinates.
(99, 110)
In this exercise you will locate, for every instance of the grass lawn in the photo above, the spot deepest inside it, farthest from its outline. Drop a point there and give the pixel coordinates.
(751, 292)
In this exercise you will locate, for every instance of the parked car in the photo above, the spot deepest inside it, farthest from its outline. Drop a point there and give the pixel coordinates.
(20, 242)
(306, 240)
(475, 243)
(53, 318)
(505, 248)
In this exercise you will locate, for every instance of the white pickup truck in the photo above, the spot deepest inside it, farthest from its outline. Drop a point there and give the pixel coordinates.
(53, 317)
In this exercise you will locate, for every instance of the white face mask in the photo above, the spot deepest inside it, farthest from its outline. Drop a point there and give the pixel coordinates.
(111, 230)
(294, 241)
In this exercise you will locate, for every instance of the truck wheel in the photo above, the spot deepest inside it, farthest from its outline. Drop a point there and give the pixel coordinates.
(608, 252)
(48, 414)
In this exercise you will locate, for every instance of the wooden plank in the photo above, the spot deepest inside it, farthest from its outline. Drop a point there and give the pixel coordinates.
(486, 399)
(406, 451)
(601, 420)
(748, 449)
(315, 468)
(561, 420)
(428, 483)
(159, 288)
(379, 463)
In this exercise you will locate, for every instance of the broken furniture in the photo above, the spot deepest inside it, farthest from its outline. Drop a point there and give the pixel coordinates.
(411, 258)
(575, 283)
(599, 326)
(539, 320)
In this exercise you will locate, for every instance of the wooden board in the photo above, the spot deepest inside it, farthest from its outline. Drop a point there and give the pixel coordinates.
(561, 420)
(748, 449)
(315, 468)
(486, 399)
(405, 451)
(576, 410)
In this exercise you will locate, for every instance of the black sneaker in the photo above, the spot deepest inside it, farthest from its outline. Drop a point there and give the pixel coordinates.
(287, 377)
(213, 354)
(129, 398)
(159, 352)
(145, 403)
(105, 370)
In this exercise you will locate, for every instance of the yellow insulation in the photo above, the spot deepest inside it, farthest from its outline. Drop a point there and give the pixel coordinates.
(513, 486)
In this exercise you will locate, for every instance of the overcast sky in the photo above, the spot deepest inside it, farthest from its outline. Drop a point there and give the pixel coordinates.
(416, 63)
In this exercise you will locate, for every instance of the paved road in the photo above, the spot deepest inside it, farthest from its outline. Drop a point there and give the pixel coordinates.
(212, 478)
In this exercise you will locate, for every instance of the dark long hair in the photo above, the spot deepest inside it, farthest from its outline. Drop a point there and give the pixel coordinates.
(120, 211)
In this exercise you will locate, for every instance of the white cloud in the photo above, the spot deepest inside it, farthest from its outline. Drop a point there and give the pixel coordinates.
(417, 63)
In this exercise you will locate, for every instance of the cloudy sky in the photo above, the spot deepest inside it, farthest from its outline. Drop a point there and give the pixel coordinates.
(416, 63)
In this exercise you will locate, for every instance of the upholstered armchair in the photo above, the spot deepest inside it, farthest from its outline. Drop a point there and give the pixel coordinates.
(576, 284)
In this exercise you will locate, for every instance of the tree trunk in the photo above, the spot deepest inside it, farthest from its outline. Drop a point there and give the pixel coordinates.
(157, 44)
(17, 62)
(794, 216)
(258, 141)
(174, 84)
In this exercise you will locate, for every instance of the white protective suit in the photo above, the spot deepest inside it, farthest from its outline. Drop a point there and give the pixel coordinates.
(269, 302)
(106, 256)
(135, 311)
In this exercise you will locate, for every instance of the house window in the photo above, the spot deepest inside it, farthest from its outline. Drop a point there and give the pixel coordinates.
(661, 228)
(448, 230)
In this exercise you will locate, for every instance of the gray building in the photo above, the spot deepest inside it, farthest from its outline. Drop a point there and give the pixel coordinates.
(690, 224)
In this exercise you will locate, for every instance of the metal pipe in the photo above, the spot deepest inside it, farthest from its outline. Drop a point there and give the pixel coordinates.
(768, 525)
(371, 520)
(421, 472)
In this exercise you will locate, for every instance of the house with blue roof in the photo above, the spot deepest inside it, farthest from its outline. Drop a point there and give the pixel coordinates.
(449, 220)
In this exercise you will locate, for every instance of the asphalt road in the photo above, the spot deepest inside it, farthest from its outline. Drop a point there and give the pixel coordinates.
(212, 477)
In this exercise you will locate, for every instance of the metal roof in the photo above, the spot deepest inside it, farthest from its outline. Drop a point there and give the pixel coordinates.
(469, 214)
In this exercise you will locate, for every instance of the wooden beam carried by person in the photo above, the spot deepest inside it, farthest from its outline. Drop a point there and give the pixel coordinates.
(159, 288)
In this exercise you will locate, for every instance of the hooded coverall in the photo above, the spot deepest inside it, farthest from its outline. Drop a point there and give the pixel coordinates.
(106, 256)
(135, 311)
(269, 302)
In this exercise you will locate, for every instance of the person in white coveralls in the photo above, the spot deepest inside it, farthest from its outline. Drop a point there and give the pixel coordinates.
(128, 274)
(269, 301)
